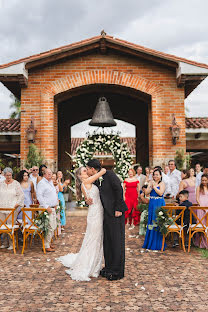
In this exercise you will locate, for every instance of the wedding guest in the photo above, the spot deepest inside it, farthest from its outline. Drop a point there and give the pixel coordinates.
(202, 200)
(166, 170)
(143, 199)
(62, 185)
(57, 186)
(175, 177)
(166, 180)
(131, 191)
(140, 177)
(147, 170)
(34, 176)
(2, 177)
(42, 169)
(151, 174)
(47, 197)
(183, 174)
(199, 173)
(189, 184)
(29, 192)
(156, 189)
(183, 201)
(205, 170)
(11, 196)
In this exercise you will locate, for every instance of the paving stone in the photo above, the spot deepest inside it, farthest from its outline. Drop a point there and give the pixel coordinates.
(35, 282)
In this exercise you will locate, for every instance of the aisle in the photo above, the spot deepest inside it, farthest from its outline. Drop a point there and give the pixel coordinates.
(36, 282)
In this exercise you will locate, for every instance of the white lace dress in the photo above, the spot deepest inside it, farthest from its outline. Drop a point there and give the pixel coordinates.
(88, 262)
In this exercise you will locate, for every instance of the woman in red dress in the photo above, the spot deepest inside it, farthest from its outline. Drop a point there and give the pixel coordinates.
(131, 192)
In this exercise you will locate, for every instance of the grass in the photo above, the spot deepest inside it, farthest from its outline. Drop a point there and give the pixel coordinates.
(203, 252)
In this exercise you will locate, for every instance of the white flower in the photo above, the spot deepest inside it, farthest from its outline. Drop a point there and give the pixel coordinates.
(160, 213)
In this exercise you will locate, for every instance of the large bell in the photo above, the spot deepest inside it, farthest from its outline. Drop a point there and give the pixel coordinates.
(102, 116)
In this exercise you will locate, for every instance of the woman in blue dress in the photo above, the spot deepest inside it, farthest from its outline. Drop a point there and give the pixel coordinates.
(156, 189)
(62, 185)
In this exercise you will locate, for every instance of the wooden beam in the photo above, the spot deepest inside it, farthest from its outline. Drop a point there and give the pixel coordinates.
(196, 145)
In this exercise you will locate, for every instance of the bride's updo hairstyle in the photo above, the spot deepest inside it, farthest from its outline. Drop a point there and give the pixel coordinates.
(78, 183)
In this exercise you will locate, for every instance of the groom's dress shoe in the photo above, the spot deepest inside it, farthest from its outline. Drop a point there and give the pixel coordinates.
(103, 273)
(114, 277)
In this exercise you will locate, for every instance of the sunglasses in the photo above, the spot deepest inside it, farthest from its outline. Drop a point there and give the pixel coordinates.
(35, 170)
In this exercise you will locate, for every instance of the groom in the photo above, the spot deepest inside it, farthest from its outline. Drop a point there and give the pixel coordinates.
(111, 195)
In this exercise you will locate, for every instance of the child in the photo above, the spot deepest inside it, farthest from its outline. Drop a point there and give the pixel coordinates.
(183, 201)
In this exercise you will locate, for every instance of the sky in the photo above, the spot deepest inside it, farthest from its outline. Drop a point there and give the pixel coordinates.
(178, 27)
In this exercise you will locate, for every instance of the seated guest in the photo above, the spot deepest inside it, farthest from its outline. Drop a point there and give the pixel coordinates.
(28, 190)
(131, 192)
(202, 200)
(184, 201)
(47, 197)
(189, 184)
(143, 199)
(11, 196)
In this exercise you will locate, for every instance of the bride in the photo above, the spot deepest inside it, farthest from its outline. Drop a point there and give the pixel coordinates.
(88, 262)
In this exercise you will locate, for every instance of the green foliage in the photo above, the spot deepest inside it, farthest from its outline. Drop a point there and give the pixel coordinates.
(162, 220)
(34, 157)
(42, 221)
(10, 163)
(182, 159)
(16, 107)
(203, 252)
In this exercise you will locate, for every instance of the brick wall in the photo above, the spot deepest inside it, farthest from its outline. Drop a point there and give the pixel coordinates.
(158, 81)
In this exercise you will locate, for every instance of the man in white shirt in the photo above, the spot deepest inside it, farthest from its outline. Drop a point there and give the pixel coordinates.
(175, 177)
(34, 176)
(47, 197)
(140, 177)
(199, 173)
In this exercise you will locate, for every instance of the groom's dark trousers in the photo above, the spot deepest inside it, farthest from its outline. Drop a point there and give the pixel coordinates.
(111, 194)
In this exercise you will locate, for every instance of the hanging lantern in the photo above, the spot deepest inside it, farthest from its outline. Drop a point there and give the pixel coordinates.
(102, 116)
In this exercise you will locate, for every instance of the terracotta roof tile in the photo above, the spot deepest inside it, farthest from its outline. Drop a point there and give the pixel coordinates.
(110, 39)
(196, 123)
(10, 125)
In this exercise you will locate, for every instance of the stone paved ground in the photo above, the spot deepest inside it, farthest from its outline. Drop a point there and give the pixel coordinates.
(36, 282)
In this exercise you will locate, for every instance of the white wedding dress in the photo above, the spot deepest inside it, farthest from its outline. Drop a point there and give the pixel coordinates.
(88, 262)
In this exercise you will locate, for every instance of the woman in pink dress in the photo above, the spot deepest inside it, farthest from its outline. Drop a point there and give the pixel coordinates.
(202, 200)
(131, 192)
(189, 184)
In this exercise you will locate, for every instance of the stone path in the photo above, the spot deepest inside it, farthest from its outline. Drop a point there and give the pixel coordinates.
(169, 281)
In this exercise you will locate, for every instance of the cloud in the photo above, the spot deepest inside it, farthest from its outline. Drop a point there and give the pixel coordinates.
(177, 27)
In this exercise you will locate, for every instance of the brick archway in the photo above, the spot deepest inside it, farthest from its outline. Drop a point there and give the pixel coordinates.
(49, 108)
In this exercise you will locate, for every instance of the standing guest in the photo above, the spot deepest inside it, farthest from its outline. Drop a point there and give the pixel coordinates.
(175, 177)
(42, 169)
(151, 174)
(47, 197)
(147, 170)
(189, 184)
(205, 171)
(166, 170)
(28, 190)
(166, 181)
(131, 191)
(183, 174)
(2, 177)
(202, 200)
(34, 176)
(11, 196)
(156, 189)
(199, 173)
(62, 185)
(57, 186)
(140, 177)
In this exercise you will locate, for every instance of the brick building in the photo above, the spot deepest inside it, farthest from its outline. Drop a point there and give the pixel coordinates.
(60, 88)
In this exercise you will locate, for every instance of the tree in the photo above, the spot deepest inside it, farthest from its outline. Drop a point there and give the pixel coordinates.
(16, 107)
(34, 157)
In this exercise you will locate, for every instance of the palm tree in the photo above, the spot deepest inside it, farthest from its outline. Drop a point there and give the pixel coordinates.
(16, 107)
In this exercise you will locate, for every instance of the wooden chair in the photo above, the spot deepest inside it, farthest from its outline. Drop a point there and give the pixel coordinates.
(175, 227)
(31, 229)
(8, 226)
(200, 225)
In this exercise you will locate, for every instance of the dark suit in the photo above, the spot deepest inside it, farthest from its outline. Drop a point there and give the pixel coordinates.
(111, 194)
